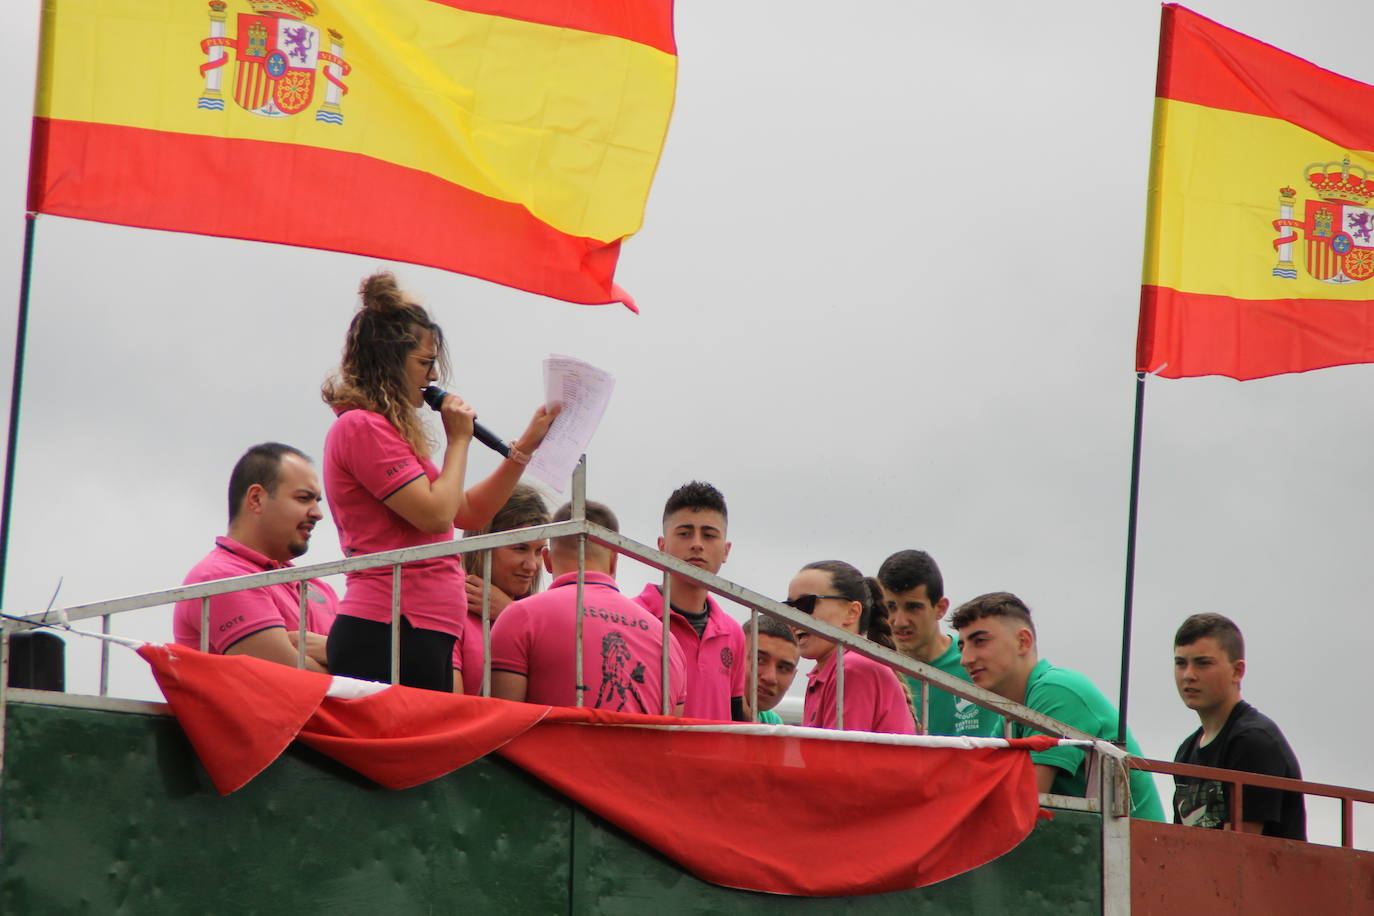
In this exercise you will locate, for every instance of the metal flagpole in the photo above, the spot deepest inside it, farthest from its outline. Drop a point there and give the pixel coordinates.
(1130, 557)
(12, 441)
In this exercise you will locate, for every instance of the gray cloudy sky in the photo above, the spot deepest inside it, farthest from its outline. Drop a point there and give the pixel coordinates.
(889, 277)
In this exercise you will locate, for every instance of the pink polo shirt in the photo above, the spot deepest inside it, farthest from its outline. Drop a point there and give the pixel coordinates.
(365, 461)
(715, 660)
(874, 700)
(239, 614)
(622, 648)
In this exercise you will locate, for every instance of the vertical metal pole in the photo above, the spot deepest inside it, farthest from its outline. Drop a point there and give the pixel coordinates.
(396, 624)
(579, 514)
(667, 640)
(1347, 823)
(753, 695)
(1130, 557)
(205, 624)
(486, 623)
(839, 687)
(925, 707)
(105, 656)
(303, 599)
(16, 387)
(4, 690)
(1116, 835)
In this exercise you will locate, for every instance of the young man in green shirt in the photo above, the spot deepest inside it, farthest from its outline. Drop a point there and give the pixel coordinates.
(998, 648)
(914, 593)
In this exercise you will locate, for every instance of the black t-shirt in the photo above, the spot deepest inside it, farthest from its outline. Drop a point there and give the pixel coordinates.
(1252, 743)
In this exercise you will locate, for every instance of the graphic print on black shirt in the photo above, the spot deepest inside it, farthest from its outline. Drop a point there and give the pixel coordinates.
(1250, 742)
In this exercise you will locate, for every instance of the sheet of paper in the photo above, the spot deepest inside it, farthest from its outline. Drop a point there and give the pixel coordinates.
(584, 391)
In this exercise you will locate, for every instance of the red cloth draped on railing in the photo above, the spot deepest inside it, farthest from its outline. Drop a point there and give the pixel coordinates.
(780, 814)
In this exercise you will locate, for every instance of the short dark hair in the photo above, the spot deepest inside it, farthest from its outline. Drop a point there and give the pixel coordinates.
(599, 513)
(260, 465)
(993, 604)
(771, 626)
(908, 569)
(1222, 629)
(696, 494)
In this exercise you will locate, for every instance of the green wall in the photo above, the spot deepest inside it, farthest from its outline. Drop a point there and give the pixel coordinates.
(110, 812)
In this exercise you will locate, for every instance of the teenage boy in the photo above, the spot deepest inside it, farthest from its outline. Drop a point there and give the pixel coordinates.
(712, 641)
(533, 655)
(998, 647)
(777, 661)
(914, 594)
(1209, 662)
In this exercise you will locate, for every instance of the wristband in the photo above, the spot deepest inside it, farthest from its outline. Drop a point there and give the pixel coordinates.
(518, 455)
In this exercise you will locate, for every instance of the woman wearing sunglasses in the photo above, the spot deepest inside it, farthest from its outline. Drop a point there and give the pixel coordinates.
(874, 699)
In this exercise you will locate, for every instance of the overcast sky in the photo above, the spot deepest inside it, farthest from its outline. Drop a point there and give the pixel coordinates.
(889, 277)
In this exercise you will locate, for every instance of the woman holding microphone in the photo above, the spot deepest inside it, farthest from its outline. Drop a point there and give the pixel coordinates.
(385, 492)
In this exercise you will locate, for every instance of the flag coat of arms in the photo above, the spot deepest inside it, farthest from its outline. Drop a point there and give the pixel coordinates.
(1260, 235)
(513, 140)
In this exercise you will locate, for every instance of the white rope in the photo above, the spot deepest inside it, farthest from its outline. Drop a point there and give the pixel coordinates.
(830, 734)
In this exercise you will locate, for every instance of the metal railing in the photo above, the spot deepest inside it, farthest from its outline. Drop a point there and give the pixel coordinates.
(585, 530)
(1237, 779)
(1108, 792)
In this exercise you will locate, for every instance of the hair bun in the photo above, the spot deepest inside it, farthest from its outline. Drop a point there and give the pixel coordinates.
(380, 293)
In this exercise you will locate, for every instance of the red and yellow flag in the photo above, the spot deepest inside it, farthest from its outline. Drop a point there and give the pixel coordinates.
(1260, 241)
(513, 140)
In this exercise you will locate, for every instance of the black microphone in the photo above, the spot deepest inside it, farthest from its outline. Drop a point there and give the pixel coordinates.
(434, 397)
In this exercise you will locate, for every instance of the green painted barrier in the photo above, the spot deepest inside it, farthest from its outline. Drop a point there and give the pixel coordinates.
(110, 812)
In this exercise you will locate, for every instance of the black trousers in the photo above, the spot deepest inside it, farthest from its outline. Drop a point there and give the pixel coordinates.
(362, 649)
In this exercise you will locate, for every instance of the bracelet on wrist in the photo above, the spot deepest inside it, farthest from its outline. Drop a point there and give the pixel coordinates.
(518, 455)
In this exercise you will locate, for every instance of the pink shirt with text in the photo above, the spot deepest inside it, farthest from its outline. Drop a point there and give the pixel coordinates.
(874, 700)
(716, 660)
(366, 461)
(621, 648)
(239, 614)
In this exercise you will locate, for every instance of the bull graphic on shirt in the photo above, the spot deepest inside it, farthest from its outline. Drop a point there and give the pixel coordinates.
(620, 684)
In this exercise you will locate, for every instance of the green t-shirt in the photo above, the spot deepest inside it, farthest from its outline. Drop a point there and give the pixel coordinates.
(768, 717)
(1073, 699)
(950, 715)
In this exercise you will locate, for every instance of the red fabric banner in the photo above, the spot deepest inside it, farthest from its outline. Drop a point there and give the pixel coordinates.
(758, 812)
(788, 815)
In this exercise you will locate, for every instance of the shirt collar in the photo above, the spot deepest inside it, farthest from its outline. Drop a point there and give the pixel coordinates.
(823, 672)
(591, 578)
(248, 553)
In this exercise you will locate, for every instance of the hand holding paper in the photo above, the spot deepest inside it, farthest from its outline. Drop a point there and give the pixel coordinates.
(584, 391)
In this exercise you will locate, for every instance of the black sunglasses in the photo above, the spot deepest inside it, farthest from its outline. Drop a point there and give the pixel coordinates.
(807, 603)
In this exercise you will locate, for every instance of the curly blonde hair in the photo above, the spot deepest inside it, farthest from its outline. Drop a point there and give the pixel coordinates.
(371, 373)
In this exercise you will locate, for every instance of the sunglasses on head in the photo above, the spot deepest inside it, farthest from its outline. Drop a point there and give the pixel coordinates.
(807, 603)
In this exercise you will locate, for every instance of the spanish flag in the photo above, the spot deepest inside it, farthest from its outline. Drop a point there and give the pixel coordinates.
(1259, 252)
(513, 140)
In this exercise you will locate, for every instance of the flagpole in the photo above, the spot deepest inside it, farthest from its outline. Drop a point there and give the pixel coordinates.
(16, 385)
(1130, 557)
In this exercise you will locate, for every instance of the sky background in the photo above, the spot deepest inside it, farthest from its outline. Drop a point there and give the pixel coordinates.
(889, 277)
